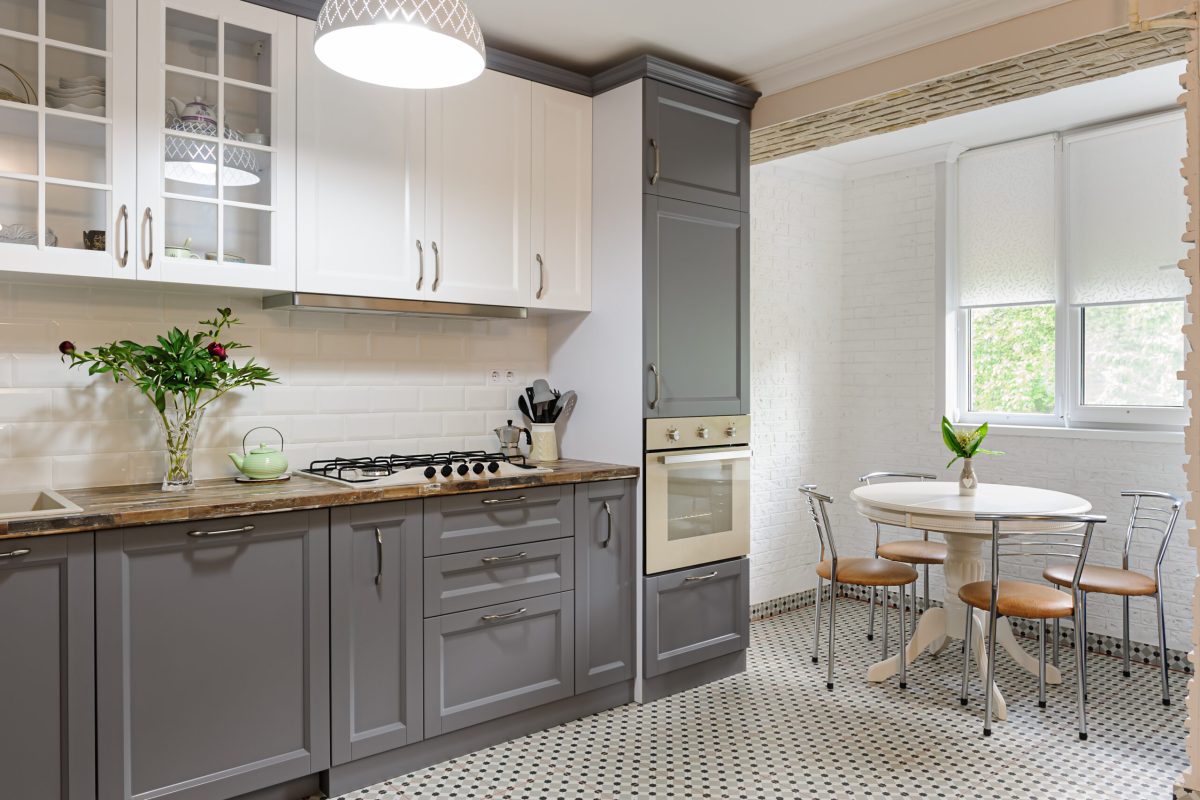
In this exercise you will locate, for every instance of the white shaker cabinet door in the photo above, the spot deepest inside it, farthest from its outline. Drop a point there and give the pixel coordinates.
(360, 184)
(478, 191)
(561, 275)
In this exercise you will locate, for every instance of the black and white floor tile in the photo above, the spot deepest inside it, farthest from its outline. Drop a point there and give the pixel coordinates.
(775, 732)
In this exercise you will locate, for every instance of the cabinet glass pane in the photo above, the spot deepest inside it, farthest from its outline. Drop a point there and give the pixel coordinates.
(190, 166)
(75, 214)
(19, 82)
(191, 227)
(18, 141)
(19, 15)
(76, 81)
(82, 22)
(76, 149)
(254, 164)
(247, 55)
(18, 211)
(248, 113)
(247, 235)
(191, 41)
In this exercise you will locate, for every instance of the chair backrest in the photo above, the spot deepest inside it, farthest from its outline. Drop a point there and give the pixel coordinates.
(1067, 542)
(816, 504)
(878, 476)
(1156, 512)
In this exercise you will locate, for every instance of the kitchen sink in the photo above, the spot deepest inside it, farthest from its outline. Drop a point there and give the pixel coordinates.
(34, 503)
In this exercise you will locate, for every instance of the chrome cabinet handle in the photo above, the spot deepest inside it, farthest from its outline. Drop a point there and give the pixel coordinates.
(509, 615)
(513, 557)
(541, 276)
(150, 227)
(691, 578)
(123, 215)
(498, 502)
(420, 265)
(657, 386)
(437, 266)
(608, 534)
(378, 557)
(23, 551)
(657, 162)
(226, 532)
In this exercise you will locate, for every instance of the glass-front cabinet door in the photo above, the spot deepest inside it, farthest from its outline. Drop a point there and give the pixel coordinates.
(67, 131)
(216, 132)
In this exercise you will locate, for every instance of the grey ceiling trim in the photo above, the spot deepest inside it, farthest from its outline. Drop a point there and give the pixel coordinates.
(538, 72)
(301, 8)
(684, 77)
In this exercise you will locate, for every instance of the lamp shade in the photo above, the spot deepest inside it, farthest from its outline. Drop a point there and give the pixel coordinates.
(409, 44)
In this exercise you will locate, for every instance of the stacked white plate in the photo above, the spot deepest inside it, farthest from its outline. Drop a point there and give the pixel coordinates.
(84, 95)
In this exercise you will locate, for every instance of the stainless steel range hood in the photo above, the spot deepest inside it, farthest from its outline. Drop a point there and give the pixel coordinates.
(308, 301)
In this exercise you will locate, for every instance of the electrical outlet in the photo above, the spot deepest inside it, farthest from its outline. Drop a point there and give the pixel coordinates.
(511, 377)
(495, 377)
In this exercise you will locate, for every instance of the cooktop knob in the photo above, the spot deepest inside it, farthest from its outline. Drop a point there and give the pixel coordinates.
(447, 471)
(430, 472)
(702, 432)
(731, 431)
(477, 467)
(463, 469)
(673, 434)
(493, 466)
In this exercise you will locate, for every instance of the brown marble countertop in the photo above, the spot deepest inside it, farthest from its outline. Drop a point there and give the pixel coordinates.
(146, 504)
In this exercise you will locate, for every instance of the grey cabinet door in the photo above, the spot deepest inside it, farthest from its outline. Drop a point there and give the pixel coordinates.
(47, 675)
(464, 522)
(696, 297)
(604, 588)
(375, 628)
(494, 661)
(480, 578)
(696, 614)
(212, 656)
(697, 148)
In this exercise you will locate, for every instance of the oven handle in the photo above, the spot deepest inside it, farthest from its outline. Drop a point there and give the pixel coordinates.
(691, 458)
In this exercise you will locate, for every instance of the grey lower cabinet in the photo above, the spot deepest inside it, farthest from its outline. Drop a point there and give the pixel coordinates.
(494, 661)
(375, 628)
(48, 737)
(696, 309)
(212, 657)
(605, 542)
(697, 614)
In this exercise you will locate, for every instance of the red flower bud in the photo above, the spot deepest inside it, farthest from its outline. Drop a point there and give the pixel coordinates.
(217, 351)
(66, 348)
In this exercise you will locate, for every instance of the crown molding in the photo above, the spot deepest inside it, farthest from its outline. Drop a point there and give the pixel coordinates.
(963, 17)
(667, 72)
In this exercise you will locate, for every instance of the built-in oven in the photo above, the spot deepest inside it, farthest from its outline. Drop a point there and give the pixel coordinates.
(697, 482)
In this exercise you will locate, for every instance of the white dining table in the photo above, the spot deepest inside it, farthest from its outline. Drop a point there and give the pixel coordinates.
(938, 507)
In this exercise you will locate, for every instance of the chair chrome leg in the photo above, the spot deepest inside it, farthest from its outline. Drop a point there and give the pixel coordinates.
(913, 617)
(1162, 647)
(871, 618)
(817, 626)
(1081, 677)
(832, 616)
(989, 686)
(885, 609)
(1082, 638)
(1041, 663)
(1057, 633)
(1125, 636)
(969, 613)
(903, 652)
(925, 589)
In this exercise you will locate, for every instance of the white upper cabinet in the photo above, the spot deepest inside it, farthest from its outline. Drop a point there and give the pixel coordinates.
(67, 141)
(478, 190)
(216, 86)
(562, 200)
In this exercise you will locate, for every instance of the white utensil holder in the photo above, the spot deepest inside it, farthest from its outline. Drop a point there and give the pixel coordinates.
(545, 442)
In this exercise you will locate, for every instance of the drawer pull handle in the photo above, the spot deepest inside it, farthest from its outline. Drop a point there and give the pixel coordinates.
(229, 531)
(513, 557)
(509, 615)
(712, 574)
(378, 557)
(24, 551)
(608, 535)
(495, 502)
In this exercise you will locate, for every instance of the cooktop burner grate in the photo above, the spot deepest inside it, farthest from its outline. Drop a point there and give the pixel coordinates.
(371, 468)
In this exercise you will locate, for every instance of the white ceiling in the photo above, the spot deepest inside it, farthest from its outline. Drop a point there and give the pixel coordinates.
(769, 44)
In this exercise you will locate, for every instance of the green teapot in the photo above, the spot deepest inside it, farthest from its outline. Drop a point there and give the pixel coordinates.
(263, 463)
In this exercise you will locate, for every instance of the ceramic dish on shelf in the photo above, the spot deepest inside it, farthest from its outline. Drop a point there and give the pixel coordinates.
(95, 111)
(230, 258)
(82, 81)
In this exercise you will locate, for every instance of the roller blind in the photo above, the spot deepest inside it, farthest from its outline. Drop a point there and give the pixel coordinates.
(1126, 211)
(1006, 224)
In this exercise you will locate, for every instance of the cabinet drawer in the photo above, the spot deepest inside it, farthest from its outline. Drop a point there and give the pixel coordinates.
(496, 519)
(495, 661)
(480, 578)
(696, 614)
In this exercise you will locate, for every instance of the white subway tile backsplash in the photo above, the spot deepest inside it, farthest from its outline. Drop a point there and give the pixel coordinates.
(448, 398)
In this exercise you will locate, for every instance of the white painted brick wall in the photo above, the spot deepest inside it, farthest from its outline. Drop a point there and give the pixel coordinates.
(350, 384)
(884, 393)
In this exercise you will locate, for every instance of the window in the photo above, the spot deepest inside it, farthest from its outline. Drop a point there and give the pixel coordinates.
(1068, 301)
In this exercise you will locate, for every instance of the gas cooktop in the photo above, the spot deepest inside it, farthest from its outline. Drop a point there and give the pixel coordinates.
(409, 470)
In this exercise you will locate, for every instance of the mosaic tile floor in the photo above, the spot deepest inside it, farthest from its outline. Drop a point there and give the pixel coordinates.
(775, 732)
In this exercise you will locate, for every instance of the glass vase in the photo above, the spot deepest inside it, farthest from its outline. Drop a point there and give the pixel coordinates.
(181, 426)
(967, 482)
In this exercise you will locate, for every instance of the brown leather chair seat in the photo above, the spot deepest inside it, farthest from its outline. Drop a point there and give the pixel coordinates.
(868, 572)
(1019, 599)
(914, 551)
(1106, 580)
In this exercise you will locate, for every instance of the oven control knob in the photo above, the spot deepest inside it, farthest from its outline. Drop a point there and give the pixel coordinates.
(702, 432)
(673, 434)
(430, 472)
(731, 431)
(447, 471)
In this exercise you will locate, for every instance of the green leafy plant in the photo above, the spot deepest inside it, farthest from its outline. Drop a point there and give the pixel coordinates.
(964, 443)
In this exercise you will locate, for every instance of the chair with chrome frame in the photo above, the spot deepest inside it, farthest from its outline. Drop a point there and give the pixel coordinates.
(1034, 601)
(866, 572)
(917, 552)
(1153, 511)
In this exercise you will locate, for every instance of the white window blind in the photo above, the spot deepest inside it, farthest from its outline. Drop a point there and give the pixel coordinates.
(1126, 211)
(1007, 248)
